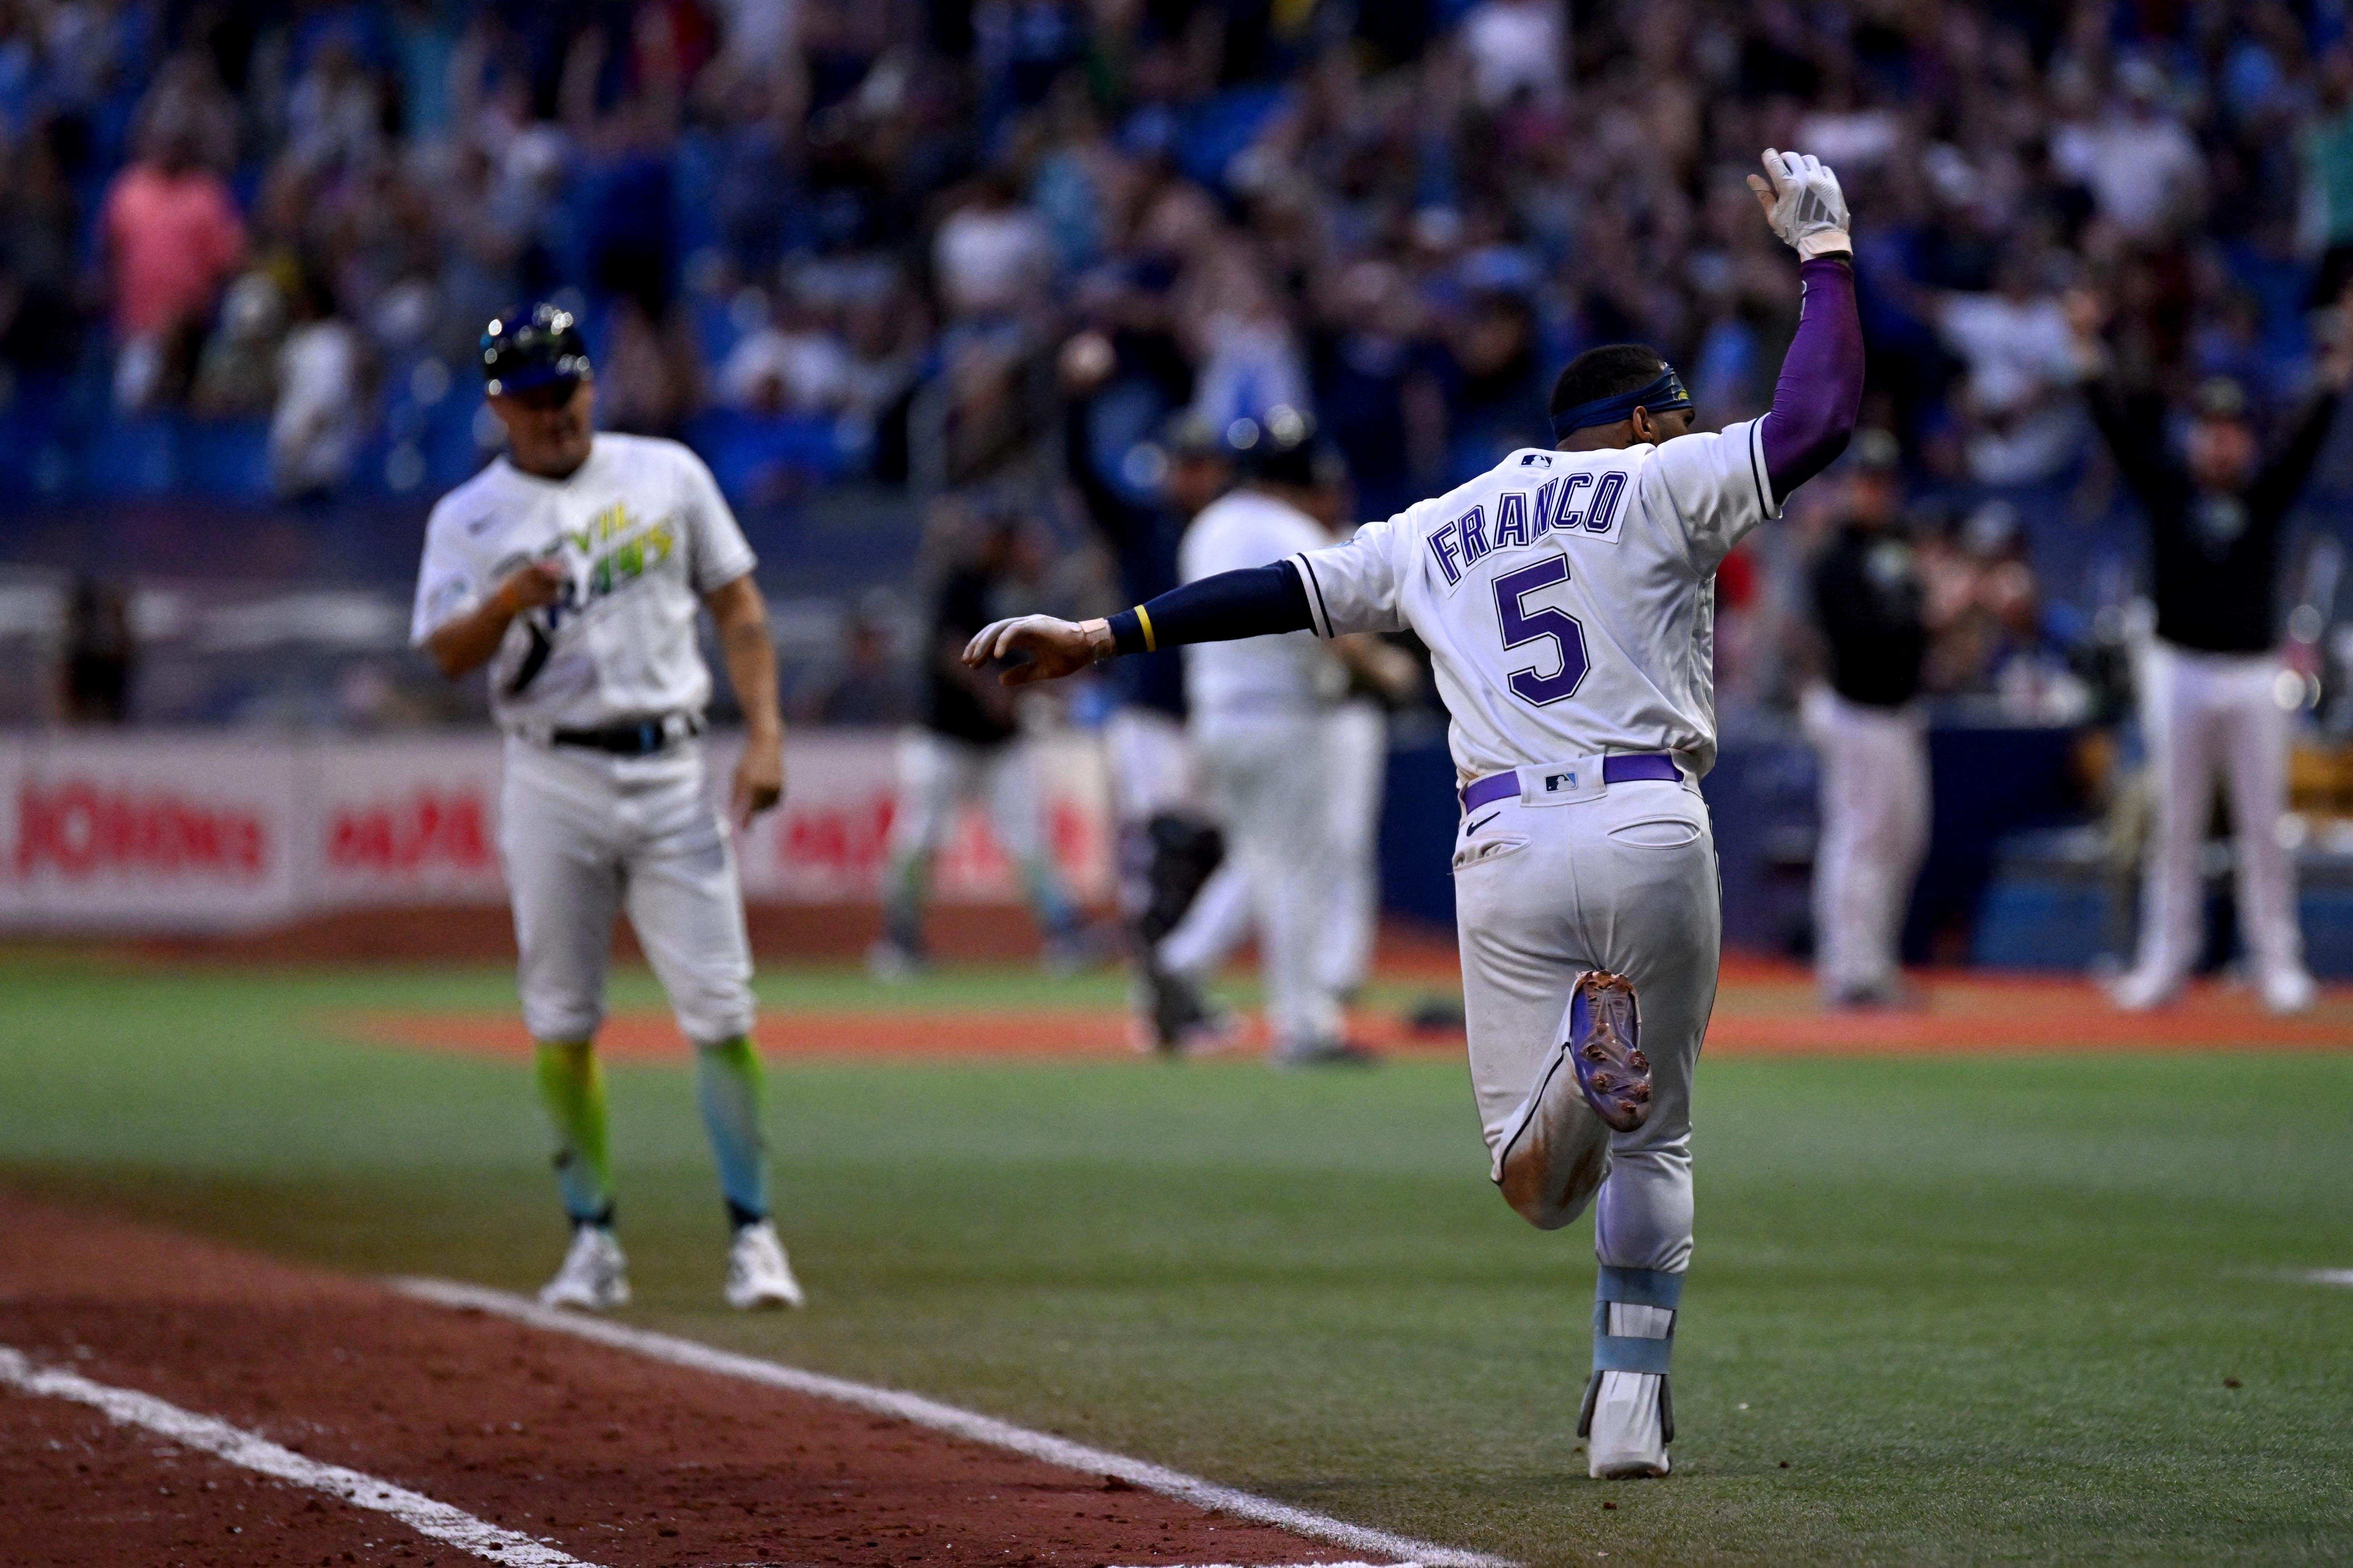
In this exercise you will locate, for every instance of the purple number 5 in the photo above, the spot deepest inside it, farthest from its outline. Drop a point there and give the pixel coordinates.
(1541, 625)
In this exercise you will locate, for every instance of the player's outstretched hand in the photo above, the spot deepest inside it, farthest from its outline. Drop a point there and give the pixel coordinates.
(1056, 647)
(530, 584)
(1803, 202)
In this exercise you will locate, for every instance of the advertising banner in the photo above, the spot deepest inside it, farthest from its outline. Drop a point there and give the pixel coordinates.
(187, 833)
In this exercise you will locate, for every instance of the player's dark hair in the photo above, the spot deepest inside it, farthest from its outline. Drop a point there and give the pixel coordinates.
(1605, 371)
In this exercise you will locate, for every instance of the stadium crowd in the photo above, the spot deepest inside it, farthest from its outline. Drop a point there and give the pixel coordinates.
(825, 237)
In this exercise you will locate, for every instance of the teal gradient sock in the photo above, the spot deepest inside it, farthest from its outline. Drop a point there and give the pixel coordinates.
(729, 1087)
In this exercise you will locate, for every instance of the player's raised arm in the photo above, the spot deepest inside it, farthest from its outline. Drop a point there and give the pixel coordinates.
(1258, 601)
(1820, 390)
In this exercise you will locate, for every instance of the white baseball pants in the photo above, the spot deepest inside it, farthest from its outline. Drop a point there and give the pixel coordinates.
(1874, 828)
(937, 774)
(1151, 766)
(1623, 879)
(2203, 714)
(584, 836)
(1263, 777)
(1355, 739)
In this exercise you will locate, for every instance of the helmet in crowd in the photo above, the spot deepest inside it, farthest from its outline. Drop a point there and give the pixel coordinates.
(520, 351)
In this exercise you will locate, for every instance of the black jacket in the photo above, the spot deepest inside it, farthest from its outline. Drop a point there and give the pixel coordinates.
(1867, 600)
(2213, 556)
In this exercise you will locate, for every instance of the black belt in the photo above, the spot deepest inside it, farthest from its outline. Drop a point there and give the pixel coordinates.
(641, 738)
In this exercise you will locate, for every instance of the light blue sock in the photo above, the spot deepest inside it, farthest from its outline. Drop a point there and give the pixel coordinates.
(1619, 1351)
(728, 1086)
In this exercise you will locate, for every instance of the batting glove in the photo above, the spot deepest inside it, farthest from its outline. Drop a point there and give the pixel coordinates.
(1805, 208)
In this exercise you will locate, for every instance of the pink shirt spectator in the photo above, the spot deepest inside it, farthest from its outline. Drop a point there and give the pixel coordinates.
(174, 237)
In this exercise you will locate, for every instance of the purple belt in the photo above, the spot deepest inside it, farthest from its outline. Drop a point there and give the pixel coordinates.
(1622, 769)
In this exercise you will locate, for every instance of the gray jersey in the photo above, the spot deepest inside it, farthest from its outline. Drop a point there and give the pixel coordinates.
(1567, 598)
(642, 534)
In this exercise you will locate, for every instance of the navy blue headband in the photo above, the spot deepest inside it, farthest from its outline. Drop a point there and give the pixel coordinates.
(1661, 396)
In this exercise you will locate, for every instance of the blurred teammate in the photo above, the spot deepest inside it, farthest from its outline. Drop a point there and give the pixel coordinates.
(1259, 711)
(2209, 678)
(1568, 601)
(1167, 845)
(1864, 723)
(572, 567)
(968, 746)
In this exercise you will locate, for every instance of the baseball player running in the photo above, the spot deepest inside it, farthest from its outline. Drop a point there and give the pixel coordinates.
(572, 566)
(1567, 598)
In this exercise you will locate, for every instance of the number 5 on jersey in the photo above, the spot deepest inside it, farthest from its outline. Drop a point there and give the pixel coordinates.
(1543, 624)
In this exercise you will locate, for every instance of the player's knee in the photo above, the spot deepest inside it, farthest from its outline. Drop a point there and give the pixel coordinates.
(718, 1010)
(556, 1021)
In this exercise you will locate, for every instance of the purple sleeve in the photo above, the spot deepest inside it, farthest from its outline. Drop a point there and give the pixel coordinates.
(1820, 389)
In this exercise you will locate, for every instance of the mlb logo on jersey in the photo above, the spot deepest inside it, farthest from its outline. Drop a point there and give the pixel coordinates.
(1583, 504)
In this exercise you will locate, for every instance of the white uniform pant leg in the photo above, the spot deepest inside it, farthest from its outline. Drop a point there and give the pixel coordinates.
(684, 899)
(1874, 828)
(1007, 780)
(935, 773)
(2254, 742)
(2180, 730)
(1356, 763)
(1151, 766)
(1263, 778)
(1625, 882)
(559, 840)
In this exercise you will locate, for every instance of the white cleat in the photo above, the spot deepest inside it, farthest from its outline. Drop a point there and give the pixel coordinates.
(758, 1275)
(2289, 991)
(594, 1277)
(2143, 991)
(1629, 1426)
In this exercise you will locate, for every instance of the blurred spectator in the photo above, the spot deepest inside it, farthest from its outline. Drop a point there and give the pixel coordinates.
(795, 365)
(39, 320)
(992, 256)
(314, 431)
(172, 236)
(1516, 49)
(237, 376)
(2018, 402)
(2143, 170)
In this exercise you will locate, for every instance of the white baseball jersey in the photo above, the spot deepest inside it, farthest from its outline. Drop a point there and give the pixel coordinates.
(1270, 674)
(642, 533)
(1567, 598)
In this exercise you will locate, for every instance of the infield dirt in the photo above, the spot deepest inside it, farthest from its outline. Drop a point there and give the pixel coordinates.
(618, 1459)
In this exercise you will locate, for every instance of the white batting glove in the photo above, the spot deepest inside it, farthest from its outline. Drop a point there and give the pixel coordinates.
(1803, 202)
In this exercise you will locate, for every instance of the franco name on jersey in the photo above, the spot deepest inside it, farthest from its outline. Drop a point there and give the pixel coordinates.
(1585, 503)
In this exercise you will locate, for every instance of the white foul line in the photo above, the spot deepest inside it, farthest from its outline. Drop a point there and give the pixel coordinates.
(238, 1446)
(1402, 1550)
(2329, 1276)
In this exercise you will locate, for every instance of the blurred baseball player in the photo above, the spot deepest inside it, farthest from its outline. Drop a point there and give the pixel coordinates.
(1869, 731)
(572, 567)
(2210, 677)
(1262, 735)
(968, 746)
(1567, 598)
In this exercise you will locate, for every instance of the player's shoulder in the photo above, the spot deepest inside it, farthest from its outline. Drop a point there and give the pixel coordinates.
(471, 509)
(646, 454)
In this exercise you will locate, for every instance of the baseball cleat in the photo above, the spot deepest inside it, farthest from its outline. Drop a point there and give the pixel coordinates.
(759, 1274)
(2288, 991)
(594, 1277)
(1605, 1029)
(1629, 1421)
(2143, 991)
(1323, 1053)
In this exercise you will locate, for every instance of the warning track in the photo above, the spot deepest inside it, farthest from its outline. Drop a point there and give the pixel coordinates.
(169, 1401)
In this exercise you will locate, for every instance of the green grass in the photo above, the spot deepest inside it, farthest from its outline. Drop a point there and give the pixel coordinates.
(1983, 1307)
